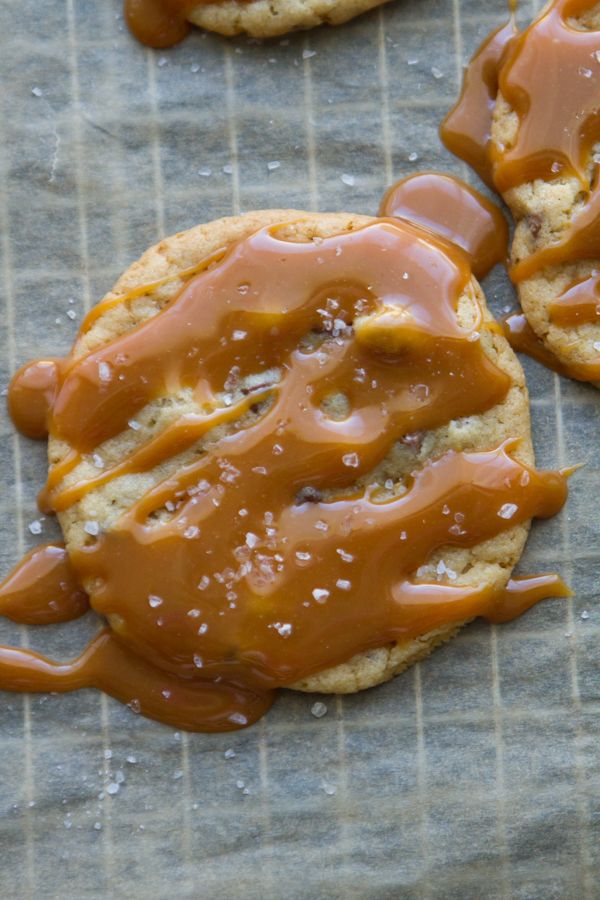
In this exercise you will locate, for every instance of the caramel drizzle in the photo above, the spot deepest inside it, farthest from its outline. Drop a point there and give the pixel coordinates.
(219, 583)
(457, 212)
(550, 77)
(579, 304)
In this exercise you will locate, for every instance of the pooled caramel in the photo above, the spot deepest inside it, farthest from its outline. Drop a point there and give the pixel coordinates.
(457, 212)
(261, 561)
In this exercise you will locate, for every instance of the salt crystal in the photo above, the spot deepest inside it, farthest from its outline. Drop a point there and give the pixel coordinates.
(412, 62)
(329, 789)
(135, 426)
(198, 661)
(37, 92)
(596, 346)
(104, 373)
(240, 784)
(320, 595)
(283, 628)
(587, 73)
(437, 73)
(112, 788)
(321, 525)
(162, 61)
(318, 710)
(155, 601)
(346, 557)
(507, 510)
(228, 169)
(203, 628)
(343, 584)
(132, 759)
(97, 826)
(91, 527)
(242, 512)
(229, 754)
(237, 719)
(192, 531)
(239, 335)
(351, 459)
(35, 527)
(350, 180)
(252, 539)
(302, 555)
(98, 461)
(202, 585)
(194, 68)
(120, 776)
(134, 705)
(585, 614)
(71, 314)
(205, 172)
(166, 694)
(274, 164)
(413, 156)
(308, 54)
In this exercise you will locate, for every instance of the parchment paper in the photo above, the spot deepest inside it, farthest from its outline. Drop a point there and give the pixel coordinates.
(473, 775)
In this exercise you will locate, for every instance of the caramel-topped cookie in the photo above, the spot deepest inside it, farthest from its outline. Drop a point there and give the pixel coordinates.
(288, 449)
(528, 121)
(161, 23)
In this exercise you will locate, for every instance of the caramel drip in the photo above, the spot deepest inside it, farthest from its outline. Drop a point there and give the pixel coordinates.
(523, 593)
(466, 130)
(579, 304)
(523, 339)
(43, 589)
(455, 211)
(159, 23)
(31, 395)
(551, 78)
(240, 571)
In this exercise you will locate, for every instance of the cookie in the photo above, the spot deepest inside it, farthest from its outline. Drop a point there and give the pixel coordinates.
(269, 18)
(490, 563)
(288, 449)
(541, 155)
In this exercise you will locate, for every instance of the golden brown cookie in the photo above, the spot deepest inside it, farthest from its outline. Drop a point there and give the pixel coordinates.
(489, 563)
(269, 18)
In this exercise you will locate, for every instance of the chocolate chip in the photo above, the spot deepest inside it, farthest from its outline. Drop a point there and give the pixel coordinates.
(535, 223)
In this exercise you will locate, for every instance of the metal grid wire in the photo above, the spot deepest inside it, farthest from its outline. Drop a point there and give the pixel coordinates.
(474, 774)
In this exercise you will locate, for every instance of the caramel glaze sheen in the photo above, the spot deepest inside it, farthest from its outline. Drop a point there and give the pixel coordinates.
(222, 582)
(43, 589)
(466, 130)
(160, 23)
(579, 304)
(550, 77)
(455, 211)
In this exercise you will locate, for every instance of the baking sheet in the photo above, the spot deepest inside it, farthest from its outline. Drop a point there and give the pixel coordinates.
(473, 775)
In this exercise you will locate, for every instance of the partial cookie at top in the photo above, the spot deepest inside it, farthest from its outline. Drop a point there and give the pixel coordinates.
(269, 18)
(489, 563)
(544, 211)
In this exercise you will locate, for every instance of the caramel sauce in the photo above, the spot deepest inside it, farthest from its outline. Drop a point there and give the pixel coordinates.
(455, 211)
(43, 589)
(550, 76)
(158, 23)
(466, 130)
(523, 339)
(239, 571)
(579, 304)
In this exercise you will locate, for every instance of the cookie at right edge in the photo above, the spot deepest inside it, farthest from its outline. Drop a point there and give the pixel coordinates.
(541, 151)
